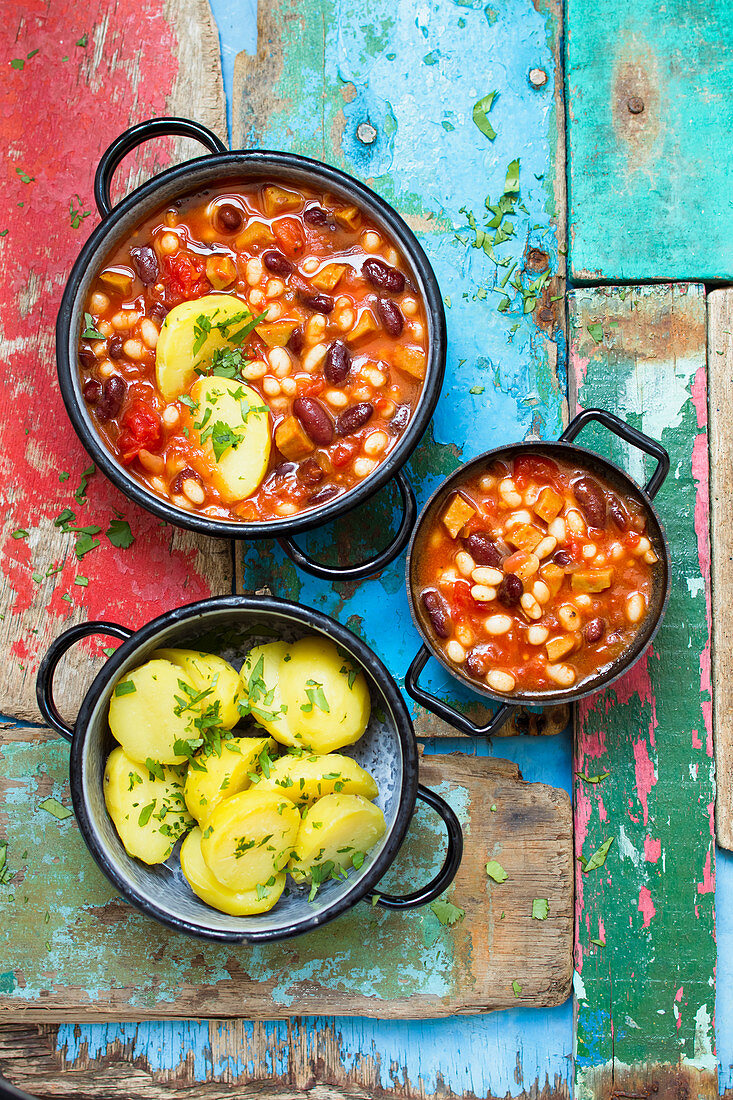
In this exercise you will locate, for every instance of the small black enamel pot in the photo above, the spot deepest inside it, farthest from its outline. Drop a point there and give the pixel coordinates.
(194, 176)
(585, 461)
(230, 626)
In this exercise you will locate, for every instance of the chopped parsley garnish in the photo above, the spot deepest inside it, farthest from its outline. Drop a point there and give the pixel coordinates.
(516, 987)
(81, 581)
(77, 216)
(446, 912)
(495, 871)
(89, 332)
(318, 875)
(597, 859)
(80, 494)
(316, 697)
(146, 813)
(351, 673)
(20, 534)
(222, 438)
(155, 768)
(540, 908)
(593, 778)
(119, 534)
(55, 808)
(480, 115)
(127, 687)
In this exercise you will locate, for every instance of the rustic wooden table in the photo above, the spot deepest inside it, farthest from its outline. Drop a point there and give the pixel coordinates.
(307, 79)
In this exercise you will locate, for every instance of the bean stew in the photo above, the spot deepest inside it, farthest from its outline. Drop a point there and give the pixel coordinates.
(535, 576)
(253, 351)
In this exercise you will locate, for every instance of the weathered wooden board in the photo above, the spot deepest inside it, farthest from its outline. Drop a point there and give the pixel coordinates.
(645, 995)
(720, 379)
(649, 120)
(321, 70)
(93, 72)
(71, 949)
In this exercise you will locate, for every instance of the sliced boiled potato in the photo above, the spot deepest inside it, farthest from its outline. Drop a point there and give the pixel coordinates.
(326, 696)
(249, 837)
(260, 680)
(337, 832)
(149, 712)
(212, 778)
(191, 333)
(231, 422)
(306, 778)
(238, 903)
(212, 674)
(147, 808)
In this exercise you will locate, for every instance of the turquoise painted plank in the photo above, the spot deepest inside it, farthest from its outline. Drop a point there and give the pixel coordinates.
(650, 114)
(414, 74)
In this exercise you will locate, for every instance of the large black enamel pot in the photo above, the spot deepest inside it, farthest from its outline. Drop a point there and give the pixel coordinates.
(584, 460)
(230, 626)
(195, 175)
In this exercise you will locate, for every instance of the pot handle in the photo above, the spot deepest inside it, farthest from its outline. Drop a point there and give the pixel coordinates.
(136, 135)
(445, 710)
(57, 649)
(372, 565)
(630, 435)
(451, 863)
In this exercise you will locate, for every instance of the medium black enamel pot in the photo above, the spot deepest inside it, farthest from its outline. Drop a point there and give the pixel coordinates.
(191, 177)
(230, 626)
(584, 460)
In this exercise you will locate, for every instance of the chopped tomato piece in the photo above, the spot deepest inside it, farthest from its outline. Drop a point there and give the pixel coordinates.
(341, 453)
(289, 233)
(141, 430)
(527, 467)
(184, 277)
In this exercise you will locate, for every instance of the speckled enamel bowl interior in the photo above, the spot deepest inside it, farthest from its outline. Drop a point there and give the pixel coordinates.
(230, 626)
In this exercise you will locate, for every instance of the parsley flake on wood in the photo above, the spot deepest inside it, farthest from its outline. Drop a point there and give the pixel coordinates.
(5, 872)
(593, 778)
(77, 216)
(540, 908)
(80, 494)
(119, 534)
(55, 808)
(596, 331)
(480, 115)
(597, 859)
(24, 177)
(17, 63)
(83, 40)
(446, 912)
(20, 534)
(495, 871)
(84, 543)
(516, 987)
(598, 943)
(81, 581)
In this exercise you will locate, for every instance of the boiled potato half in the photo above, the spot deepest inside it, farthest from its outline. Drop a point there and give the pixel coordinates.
(338, 831)
(249, 837)
(326, 696)
(147, 808)
(212, 778)
(231, 422)
(146, 715)
(306, 778)
(260, 678)
(210, 673)
(239, 903)
(205, 324)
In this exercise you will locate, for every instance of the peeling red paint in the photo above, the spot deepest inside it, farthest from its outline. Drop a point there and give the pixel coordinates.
(701, 476)
(646, 906)
(645, 775)
(652, 849)
(707, 886)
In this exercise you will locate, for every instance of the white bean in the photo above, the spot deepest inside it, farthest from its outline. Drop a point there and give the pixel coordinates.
(465, 563)
(516, 519)
(169, 244)
(314, 357)
(563, 675)
(569, 617)
(498, 624)
(557, 529)
(500, 681)
(487, 483)
(635, 607)
(371, 241)
(274, 288)
(336, 399)
(171, 416)
(409, 307)
(254, 370)
(149, 333)
(530, 606)
(315, 328)
(99, 302)
(544, 549)
(193, 490)
(364, 466)
(537, 635)
(456, 652)
(253, 271)
(482, 593)
(540, 591)
(310, 265)
(133, 349)
(464, 635)
(270, 386)
(485, 574)
(289, 386)
(575, 522)
(279, 361)
(376, 443)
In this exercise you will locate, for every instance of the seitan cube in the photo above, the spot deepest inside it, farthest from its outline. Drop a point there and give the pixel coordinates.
(410, 360)
(548, 504)
(291, 440)
(525, 536)
(327, 278)
(559, 647)
(457, 515)
(591, 580)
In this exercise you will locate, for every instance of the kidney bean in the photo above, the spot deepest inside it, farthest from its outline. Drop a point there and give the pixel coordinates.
(392, 319)
(315, 419)
(229, 217)
(323, 495)
(159, 312)
(354, 418)
(278, 264)
(310, 473)
(337, 364)
(296, 341)
(87, 358)
(382, 276)
(618, 513)
(176, 485)
(398, 423)
(115, 347)
(478, 662)
(438, 612)
(319, 303)
(284, 469)
(92, 391)
(510, 590)
(591, 501)
(483, 550)
(594, 630)
(562, 558)
(146, 263)
(113, 394)
(315, 215)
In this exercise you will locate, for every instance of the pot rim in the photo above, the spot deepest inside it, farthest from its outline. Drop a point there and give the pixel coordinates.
(625, 660)
(265, 160)
(306, 616)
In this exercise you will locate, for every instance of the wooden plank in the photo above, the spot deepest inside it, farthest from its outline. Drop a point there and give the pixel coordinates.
(650, 137)
(94, 73)
(645, 997)
(319, 72)
(73, 950)
(720, 372)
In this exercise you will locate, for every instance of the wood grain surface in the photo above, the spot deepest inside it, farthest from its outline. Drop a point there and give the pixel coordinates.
(720, 378)
(73, 950)
(645, 952)
(94, 72)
